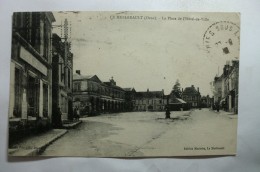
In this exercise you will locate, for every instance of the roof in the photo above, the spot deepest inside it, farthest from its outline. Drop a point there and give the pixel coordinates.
(190, 91)
(129, 89)
(150, 94)
(113, 86)
(174, 100)
(86, 77)
(180, 100)
(50, 16)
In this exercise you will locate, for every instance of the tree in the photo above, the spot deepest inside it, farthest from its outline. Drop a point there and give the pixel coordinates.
(176, 90)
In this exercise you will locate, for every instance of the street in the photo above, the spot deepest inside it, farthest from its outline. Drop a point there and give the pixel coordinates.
(136, 134)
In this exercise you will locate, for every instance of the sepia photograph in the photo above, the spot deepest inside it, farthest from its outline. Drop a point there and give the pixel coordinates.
(126, 84)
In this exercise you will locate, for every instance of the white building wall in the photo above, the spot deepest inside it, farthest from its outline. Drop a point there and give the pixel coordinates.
(12, 82)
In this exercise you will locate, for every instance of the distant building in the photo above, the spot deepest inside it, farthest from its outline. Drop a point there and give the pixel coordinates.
(150, 101)
(205, 101)
(62, 68)
(217, 89)
(191, 96)
(176, 104)
(130, 94)
(92, 96)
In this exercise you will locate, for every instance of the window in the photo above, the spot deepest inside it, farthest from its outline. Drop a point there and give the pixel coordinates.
(45, 100)
(69, 78)
(33, 87)
(46, 37)
(18, 93)
(77, 86)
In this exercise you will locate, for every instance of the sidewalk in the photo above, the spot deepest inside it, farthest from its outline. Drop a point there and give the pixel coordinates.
(230, 115)
(34, 145)
(70, 124)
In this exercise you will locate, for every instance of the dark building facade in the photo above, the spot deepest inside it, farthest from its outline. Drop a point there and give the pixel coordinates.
(92, 96)
(31, 70)
(192, 96)
(130, 94)
(62, 64)
(205, 101)
(225, 87)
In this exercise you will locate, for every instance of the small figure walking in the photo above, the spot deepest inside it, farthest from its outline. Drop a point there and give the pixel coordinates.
(76, 113)
(167, 113)
(58, 119)
(217, 106)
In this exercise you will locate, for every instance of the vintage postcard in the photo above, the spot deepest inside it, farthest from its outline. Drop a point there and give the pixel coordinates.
(124, 84)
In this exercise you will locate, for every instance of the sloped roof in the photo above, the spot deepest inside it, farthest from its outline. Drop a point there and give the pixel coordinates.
(180, 100)
(174, 100)
(113, 86)
(190, 91)
(86, 77)
(129, 89)
(150, 94)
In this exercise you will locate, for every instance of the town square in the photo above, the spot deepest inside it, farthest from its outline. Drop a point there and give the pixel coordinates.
(123, 84)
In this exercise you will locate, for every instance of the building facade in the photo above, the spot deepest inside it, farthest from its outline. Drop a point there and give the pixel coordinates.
(31, 65)
(62, 64)
(205, 101)
(31, 70)
(192, 96)
(176, 104)
(225, 87)
(92, 96)
(150, 101)
(217, 88)
(130, 94)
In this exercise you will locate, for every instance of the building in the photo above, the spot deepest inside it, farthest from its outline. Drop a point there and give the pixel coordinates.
(62, 64)
(176, 104)
(225, 87)
(205, 101)
(231, 83)
(191, 96)
(150, 101)
(217, 89)
(31, 70)
(92, 96)
(130, 94)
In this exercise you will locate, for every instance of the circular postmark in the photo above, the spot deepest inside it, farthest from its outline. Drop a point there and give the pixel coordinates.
(223, 38)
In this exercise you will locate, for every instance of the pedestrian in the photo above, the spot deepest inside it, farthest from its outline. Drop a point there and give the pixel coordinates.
(58, 120)
(77, 114)
(217, 106)
(167, 113)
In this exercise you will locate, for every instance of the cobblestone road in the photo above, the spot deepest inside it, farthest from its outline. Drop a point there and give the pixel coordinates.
(137, 134)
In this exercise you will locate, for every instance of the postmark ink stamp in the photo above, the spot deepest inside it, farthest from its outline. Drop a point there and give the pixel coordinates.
(222, 38)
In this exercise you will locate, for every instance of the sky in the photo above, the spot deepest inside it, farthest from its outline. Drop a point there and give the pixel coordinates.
(152, 50)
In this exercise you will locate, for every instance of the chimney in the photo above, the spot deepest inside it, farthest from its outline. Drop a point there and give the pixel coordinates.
(147, 89)
(78, 72)
(181, 89)
(198, 89)
(192, 86)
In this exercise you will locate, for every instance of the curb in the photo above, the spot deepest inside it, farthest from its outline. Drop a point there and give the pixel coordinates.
(38, 150)
(44, 146)
(71, 126)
